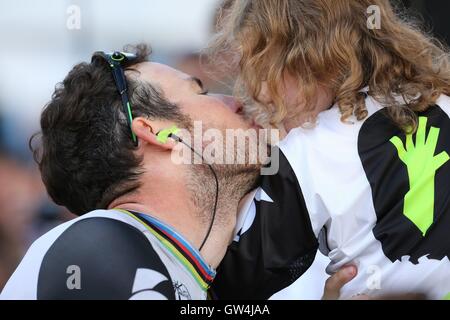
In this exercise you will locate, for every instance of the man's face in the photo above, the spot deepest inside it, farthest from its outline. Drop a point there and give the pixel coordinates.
(216, 111)
(219, 116)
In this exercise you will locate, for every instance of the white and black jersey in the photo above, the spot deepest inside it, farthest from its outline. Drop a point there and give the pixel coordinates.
(373, 196)
(274, 242)
(115, 254)
(111, 254)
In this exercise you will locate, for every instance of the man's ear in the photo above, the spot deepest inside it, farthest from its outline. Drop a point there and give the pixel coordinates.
(146, 131)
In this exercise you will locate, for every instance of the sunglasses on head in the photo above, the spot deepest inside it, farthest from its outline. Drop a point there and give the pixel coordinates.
(116, 60)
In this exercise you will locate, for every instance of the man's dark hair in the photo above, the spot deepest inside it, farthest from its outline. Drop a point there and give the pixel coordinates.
(86, 153)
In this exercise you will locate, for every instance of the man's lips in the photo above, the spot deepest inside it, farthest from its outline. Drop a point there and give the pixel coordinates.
(238, 107)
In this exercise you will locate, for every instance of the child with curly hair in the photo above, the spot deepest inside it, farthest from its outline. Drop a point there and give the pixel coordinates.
(363, 95)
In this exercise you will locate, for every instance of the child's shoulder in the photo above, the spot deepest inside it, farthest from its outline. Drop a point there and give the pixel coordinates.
(444, 103)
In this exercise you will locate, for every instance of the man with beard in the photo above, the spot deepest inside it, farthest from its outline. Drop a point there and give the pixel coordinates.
(149, 228)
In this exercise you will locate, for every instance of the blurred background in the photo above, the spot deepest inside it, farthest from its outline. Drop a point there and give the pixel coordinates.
(41, 41)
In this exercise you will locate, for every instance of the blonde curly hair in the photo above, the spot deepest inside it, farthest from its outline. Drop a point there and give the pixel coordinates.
(328, 42)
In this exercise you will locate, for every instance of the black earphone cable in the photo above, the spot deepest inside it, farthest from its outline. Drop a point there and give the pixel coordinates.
(175, 137)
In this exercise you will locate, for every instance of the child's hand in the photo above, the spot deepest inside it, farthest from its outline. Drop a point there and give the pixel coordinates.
(337, 281)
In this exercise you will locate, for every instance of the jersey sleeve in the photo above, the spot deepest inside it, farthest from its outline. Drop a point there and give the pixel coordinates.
(275, 244)
(102, 258)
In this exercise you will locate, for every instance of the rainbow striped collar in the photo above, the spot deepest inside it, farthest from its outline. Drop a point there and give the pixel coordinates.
(176, 244)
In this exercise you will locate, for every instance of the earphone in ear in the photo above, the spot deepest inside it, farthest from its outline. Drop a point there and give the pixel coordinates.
(163, 135)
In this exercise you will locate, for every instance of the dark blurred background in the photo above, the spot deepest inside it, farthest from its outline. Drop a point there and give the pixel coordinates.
(41, 42)
(434, 14)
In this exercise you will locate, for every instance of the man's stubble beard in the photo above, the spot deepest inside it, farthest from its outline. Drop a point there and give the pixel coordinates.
(235, 181)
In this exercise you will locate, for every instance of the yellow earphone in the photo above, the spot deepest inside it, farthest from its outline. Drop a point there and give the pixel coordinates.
(164, 135)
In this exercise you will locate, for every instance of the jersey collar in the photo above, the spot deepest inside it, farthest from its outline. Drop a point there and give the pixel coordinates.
(181, 248)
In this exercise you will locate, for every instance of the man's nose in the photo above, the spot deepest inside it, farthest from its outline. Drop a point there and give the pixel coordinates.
(232, 103)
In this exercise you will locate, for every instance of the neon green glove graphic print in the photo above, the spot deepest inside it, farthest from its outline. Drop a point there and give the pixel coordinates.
(422, 165)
